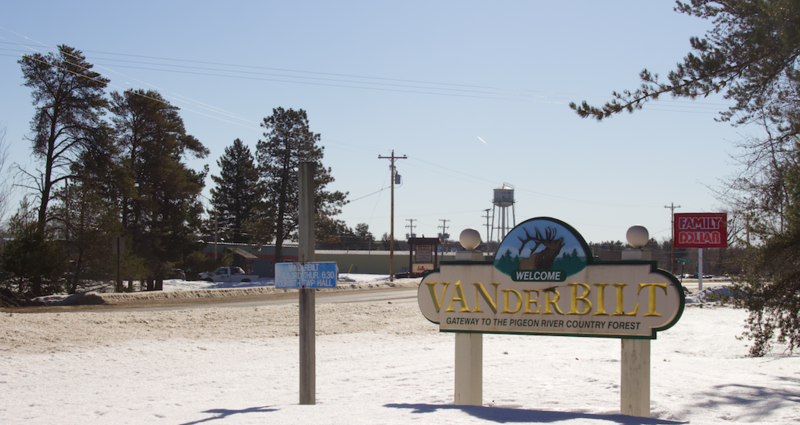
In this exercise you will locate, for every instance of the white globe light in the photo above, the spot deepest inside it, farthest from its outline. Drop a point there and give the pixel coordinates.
(470, 239)
(637, 236)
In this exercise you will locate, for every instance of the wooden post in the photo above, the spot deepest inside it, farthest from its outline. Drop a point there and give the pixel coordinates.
(469, 369)
(634, 390)
(391, 226)
(308, 373)
(469, 351)
(635, 377)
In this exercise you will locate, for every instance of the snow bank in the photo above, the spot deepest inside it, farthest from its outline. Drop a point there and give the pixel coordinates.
(708, 295)
(177, 289)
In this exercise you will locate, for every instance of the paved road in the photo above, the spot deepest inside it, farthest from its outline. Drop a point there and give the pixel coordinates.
(400, 295)
(393, 295)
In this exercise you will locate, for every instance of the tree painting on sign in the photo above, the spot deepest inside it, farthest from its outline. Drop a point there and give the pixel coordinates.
(541, 250)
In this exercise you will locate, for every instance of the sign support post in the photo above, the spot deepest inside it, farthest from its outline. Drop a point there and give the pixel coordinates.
(634, 389)
(469, 346)
(700, 269)
(308, 368)
(469, 369)
(635, 377)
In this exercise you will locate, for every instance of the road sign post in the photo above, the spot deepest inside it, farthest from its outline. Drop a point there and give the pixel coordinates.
(308, 360)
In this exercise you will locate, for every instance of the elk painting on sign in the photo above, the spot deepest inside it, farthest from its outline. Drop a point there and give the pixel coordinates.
(542, 260)
(549, 252)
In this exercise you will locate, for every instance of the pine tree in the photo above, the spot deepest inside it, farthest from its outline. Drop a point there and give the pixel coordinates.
(289, 141)
(237, 190)
(69, 99)
(158, 192)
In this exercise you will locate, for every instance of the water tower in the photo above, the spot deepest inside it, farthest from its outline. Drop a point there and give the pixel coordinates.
(503, 200)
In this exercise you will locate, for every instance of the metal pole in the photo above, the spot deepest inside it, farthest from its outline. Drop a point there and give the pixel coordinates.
(308, 373)
(700, 269)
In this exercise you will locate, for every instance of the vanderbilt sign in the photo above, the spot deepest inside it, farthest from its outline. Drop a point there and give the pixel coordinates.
(545, 281)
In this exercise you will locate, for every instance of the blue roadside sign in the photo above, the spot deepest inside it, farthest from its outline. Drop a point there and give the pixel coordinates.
(309, 275)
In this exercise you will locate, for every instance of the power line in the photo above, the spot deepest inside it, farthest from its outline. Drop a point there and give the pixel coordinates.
(526, 92)
(223, 112)
(404, 157)
(365, 196)
(444, 89)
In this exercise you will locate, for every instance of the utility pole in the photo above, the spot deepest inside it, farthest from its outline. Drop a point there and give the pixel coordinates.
(444, 235)
(391, 236)
(410, 226)
(488, 248)
(672, 208)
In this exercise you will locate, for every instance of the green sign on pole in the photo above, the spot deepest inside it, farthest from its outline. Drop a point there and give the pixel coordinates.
(684, 260)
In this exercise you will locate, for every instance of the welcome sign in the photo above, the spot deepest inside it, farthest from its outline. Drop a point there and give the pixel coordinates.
(544, 281)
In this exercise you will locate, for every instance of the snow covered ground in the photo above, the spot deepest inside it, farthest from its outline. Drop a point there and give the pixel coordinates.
(377, 363)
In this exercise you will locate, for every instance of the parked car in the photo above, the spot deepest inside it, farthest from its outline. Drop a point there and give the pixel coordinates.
(177, 274)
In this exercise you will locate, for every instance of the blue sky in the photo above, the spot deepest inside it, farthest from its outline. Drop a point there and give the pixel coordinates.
(474, 93)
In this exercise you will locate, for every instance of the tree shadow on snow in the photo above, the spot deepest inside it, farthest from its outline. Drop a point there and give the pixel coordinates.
(224, 413)
(759, 401)
(506, 415)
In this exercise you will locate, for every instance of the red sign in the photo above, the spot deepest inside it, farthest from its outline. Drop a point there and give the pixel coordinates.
(701, 230)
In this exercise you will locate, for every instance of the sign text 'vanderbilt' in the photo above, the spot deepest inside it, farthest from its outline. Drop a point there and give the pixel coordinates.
(543, 282)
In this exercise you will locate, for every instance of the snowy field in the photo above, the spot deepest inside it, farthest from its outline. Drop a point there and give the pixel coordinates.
(377, 363)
